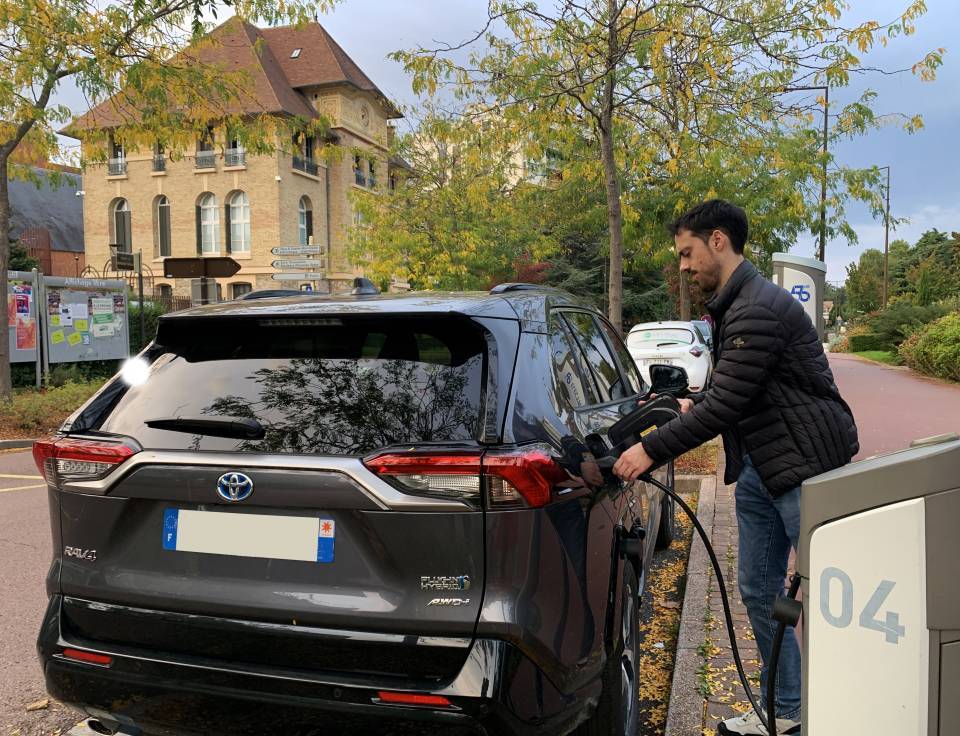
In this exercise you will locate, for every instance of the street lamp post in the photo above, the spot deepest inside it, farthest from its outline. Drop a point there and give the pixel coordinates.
(823, 184)
(886, 239)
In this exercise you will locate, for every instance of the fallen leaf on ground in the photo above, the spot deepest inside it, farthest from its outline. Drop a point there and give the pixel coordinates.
(39, 705)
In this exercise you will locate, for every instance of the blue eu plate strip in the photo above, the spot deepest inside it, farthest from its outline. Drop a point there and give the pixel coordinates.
(325, 540)
(170, 518)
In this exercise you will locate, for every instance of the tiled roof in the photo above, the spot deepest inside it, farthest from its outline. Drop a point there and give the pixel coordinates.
(265, 54)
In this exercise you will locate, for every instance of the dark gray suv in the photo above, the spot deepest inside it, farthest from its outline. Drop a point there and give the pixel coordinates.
(333, 514)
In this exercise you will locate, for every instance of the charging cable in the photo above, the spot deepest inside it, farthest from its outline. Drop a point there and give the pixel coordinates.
(785, 610)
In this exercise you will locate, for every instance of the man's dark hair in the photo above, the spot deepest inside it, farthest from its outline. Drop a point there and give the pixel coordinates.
(715, 214)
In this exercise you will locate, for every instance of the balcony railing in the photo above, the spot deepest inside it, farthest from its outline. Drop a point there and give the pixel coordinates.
(205, 159)
(235, 157)
(306, 165)
(116, 167)
(159, 162)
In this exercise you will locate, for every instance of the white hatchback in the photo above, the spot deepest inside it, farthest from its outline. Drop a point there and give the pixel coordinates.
(671, 343)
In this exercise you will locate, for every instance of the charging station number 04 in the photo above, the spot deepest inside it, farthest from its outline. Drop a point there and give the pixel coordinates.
(890, 627)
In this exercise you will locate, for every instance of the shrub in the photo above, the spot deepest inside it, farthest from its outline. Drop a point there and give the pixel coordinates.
(896, 323)
(935, 350)
(41, 412)
(861, 343)
(151, 314)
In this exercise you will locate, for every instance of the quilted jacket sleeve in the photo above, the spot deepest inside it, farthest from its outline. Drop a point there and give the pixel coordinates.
(753, 342)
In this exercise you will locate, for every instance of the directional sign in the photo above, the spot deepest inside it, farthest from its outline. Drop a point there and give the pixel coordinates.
(298, 263)
(198, 268)
(296, 250)
(295, 276)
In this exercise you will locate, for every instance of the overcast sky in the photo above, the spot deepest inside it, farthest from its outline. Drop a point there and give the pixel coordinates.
(925, 183)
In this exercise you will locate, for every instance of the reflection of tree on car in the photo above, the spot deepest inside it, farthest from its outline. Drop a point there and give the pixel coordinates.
(321, 405)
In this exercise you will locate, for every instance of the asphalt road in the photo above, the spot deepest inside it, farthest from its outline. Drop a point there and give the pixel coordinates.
(892, 407)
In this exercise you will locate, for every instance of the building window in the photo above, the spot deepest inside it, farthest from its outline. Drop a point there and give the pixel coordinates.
(206, 157)
(239, 289)
(159, 157)
(164, 293)
(358, 175)
(161, 227)
(120, 230)
(208, 225)
(305, 221)
(237, 212)
(117, 165)
(372, 180)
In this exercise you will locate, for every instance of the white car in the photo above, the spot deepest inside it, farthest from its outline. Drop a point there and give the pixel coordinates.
(671, 343)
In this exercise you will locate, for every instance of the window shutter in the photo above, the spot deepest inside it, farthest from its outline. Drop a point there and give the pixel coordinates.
(127, 232)
(309, 214)
(199, 232)
(164, 231)
(226, 219)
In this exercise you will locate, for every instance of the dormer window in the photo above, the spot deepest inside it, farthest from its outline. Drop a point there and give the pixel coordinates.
(295, 53)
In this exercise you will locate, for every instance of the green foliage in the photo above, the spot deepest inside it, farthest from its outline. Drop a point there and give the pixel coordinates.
(864, 285)
(38, 412)
(863, 343)
(151, 313)
(20, 259)
(83, 372)
(935, 349)
(900, 320)
(881, 356)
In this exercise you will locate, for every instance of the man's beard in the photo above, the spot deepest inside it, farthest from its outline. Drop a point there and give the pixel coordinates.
(705, 283)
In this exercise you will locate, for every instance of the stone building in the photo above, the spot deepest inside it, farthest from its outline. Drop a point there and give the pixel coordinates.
(218, 200)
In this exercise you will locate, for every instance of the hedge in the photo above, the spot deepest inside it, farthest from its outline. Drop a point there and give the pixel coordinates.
(862, 343)
(935, 350)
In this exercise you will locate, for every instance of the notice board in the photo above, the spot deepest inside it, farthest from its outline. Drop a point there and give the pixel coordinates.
(85, 319)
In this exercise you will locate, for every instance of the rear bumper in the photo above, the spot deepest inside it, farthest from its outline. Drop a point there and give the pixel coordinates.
(497, 691)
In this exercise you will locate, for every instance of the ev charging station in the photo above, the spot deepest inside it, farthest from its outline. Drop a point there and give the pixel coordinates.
(879, 556)
(805, 279)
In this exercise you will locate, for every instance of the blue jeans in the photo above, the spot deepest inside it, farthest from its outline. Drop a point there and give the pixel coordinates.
(768, 527)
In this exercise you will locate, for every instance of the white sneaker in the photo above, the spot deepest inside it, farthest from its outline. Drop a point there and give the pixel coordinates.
(749, 724)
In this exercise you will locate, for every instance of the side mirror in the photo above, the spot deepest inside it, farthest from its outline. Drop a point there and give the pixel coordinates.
(668, 379)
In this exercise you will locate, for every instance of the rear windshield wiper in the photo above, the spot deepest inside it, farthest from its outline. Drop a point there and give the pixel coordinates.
(234, 427)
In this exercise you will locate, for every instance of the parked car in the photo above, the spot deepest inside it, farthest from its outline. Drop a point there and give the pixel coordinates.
(706, 332)
(345, 511)
(671, 343)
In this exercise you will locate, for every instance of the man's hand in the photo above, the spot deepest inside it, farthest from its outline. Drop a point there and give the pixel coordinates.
(632, 463)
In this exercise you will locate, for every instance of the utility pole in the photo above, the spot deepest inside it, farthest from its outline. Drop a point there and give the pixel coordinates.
(826, 143)
(886, 241)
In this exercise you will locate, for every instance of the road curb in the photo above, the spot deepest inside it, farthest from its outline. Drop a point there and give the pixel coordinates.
(685, 710)
(15, 444)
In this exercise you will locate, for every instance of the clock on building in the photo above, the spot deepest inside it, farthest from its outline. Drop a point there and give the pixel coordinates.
(364, 116)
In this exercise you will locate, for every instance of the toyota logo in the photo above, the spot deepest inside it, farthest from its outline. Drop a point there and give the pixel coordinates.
(234, 486)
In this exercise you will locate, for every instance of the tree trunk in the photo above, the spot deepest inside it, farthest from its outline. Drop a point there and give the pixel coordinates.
(611, 182)
(684, 298)
(5, 386)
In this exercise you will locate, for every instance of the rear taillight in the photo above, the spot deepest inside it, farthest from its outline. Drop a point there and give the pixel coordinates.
(517, 478)
(696, 351)
(71, 460)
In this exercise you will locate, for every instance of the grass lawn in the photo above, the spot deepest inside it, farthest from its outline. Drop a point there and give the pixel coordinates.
(881, 356)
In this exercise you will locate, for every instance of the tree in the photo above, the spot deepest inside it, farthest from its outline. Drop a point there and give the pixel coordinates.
(20, 260)
(655, 86)
(136, 51)
(864, 285)
(462, 217)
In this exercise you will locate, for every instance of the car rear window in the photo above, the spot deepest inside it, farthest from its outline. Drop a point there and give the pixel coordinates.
(660, 336)
(326, 386)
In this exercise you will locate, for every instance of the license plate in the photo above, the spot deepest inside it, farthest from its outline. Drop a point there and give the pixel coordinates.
(304, 538)
(657, 361)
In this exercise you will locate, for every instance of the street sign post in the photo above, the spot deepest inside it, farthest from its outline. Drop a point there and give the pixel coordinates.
(296, 250)
(312, 263)
(200, 268)
(295, 276)
(123, 261)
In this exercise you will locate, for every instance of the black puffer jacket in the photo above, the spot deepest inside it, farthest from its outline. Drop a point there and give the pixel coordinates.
(772, 394)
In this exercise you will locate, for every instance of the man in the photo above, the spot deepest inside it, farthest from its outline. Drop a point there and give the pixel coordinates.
(773, 398)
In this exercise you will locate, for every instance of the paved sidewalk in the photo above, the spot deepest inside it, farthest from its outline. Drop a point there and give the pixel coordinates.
(706, 688)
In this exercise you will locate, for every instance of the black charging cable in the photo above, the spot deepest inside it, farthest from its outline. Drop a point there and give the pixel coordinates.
(785, 610)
